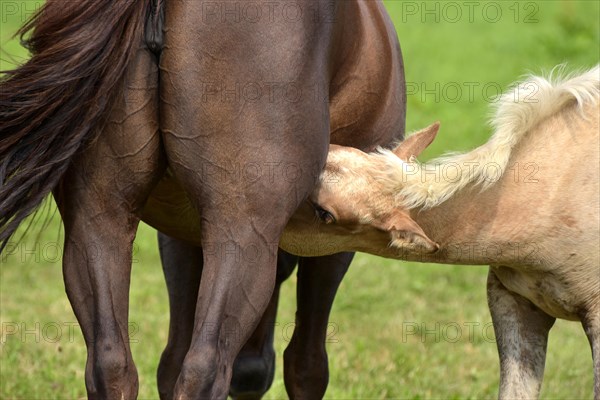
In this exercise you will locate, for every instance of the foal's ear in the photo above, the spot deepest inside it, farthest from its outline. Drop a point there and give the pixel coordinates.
(417, 142)
(408, 235)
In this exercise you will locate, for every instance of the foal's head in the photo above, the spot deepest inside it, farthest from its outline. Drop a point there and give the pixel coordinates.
(359, 192)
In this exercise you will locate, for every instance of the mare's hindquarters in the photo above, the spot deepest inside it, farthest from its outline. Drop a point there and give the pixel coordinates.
(246, 162)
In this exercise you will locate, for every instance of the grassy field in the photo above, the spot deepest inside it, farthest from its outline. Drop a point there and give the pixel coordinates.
(399, 330)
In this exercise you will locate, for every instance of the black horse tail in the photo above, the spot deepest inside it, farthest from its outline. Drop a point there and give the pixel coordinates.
(54, 103)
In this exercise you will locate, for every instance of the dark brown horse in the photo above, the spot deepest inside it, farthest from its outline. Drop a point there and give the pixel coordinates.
(367, 109)
(221, 122)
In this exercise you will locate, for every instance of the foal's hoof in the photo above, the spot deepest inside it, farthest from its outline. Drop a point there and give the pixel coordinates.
(252, 377)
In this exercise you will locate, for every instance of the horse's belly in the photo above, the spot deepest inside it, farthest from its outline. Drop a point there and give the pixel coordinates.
(554, 293)
(169, 210)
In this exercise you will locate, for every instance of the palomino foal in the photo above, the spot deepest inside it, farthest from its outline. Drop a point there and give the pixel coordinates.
(526, 203)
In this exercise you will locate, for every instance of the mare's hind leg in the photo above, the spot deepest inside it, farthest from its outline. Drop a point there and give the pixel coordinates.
(98, 198)
(254, 367)
(591, 325)
(182, 265)
(306, 370)
(521, 336)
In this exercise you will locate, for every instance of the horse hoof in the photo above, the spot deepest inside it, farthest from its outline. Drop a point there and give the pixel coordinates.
(252, 377)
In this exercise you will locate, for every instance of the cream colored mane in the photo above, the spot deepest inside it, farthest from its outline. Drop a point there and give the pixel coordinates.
(523, 107)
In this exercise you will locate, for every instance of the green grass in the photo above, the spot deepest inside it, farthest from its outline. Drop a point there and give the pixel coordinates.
(394, 324)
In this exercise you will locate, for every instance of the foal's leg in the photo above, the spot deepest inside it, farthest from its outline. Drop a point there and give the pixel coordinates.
(254, 367)
(522, 335)
(591, 325)
(99, 198)
(306, 370)
(182, 265)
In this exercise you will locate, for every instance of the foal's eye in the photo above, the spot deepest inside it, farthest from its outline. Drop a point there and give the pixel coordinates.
(324, 215)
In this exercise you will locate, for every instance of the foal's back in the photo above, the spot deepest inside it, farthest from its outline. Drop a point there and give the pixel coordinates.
(552, 191)
(556, 171)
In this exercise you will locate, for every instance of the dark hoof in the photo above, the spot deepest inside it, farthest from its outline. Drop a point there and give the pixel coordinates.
(252, 377)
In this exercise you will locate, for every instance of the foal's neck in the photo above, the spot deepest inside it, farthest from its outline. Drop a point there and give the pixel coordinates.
(476, 226)
(462, 226)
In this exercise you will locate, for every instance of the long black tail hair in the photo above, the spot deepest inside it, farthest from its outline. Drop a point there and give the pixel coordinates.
(54, 103)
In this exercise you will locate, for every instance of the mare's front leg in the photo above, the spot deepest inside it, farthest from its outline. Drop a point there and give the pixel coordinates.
(246, 161)
(521, 336)
(305, 359)
(99, 199)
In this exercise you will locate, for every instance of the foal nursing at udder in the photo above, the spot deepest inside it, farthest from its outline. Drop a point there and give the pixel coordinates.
(526, 203)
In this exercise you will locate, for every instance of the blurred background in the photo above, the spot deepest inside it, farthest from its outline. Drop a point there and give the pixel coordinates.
(398, 330)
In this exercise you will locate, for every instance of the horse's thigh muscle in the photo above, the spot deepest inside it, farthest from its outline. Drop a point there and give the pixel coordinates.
(99, 198)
